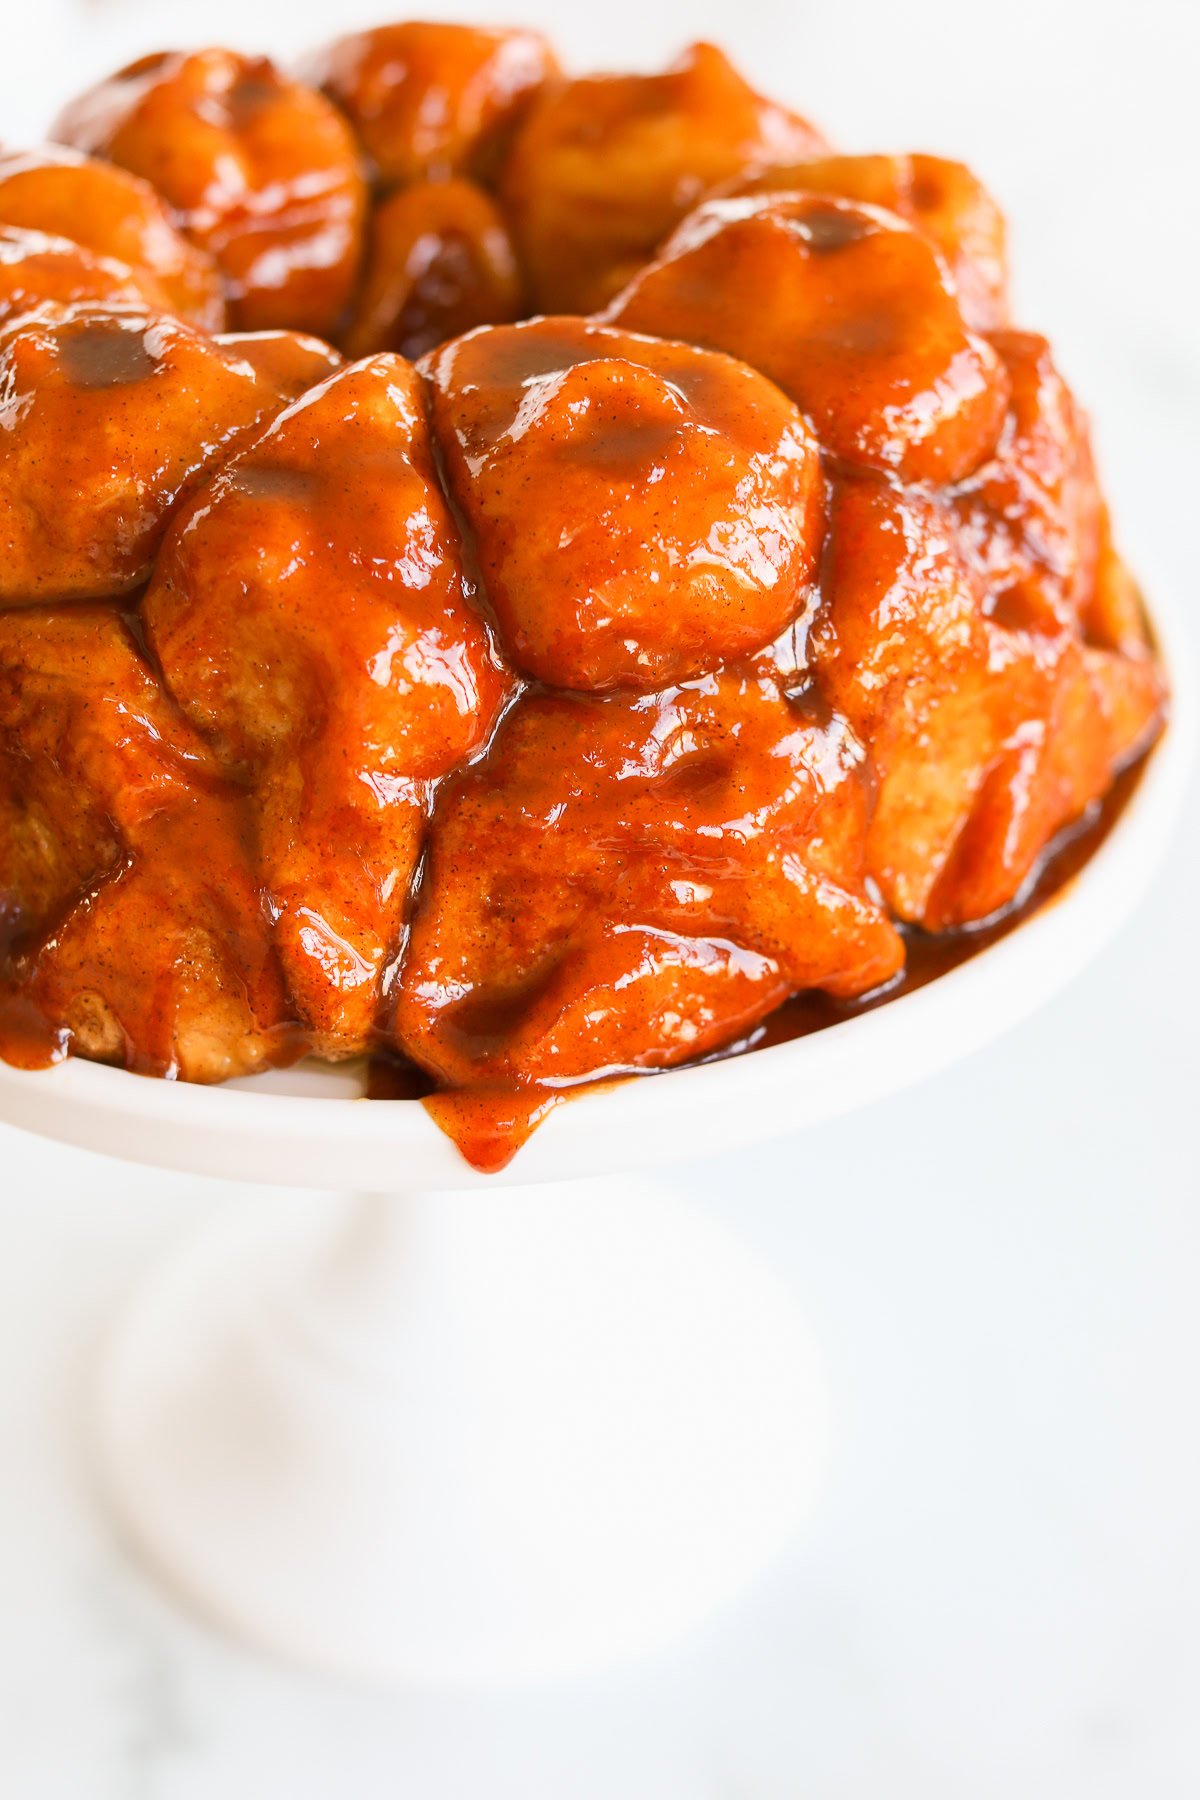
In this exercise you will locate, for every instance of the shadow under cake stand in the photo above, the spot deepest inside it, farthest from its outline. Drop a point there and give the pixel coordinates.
(465, 1427)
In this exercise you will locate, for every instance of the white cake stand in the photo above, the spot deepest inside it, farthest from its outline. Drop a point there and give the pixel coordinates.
(490, 1428)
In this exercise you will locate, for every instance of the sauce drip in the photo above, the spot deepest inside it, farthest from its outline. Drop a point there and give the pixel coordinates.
(489, 1125)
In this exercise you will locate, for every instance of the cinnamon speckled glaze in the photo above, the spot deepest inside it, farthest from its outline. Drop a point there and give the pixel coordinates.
(721, 614)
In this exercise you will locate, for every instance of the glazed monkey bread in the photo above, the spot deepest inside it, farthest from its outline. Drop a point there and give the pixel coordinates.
(723, 604)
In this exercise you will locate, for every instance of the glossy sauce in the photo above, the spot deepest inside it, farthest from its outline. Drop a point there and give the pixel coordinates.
(930, 955)
(489, 1125)
(631, 686)
(27, 1038)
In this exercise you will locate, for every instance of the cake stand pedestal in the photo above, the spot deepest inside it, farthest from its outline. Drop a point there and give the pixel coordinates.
(477, 1435)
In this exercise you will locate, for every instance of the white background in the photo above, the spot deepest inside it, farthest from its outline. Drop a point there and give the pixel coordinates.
(1000, 1592)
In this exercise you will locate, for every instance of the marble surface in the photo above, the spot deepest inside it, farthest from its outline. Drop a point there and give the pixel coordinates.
(999, 1592)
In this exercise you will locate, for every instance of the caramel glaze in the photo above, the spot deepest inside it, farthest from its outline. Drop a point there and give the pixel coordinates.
(184, 818)
(578, 703)
(932, 954)
(490, 1124)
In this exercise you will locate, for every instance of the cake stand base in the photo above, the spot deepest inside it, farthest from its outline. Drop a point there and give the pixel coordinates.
(463, 1436)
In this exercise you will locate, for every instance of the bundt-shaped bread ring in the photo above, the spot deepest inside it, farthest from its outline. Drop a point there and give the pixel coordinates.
(564, 701)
